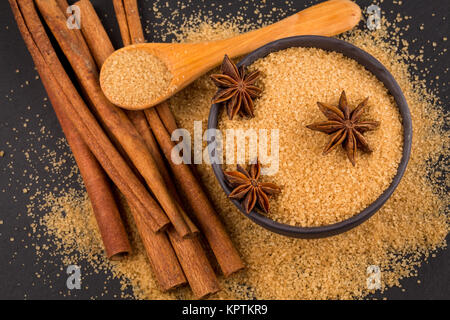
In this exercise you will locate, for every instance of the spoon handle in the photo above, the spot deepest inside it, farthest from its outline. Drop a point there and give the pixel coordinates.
(326, 19)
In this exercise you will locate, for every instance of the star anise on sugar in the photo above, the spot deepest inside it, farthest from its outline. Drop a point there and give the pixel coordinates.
(237, 89)
(345, 127)
(249, 189)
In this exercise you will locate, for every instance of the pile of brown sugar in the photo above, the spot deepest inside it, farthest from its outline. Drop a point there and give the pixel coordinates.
(134, 77)
(408, 230)
(317, 189)
(411, 225)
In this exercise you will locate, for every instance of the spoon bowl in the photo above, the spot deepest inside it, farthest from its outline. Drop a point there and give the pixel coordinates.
(188, 61)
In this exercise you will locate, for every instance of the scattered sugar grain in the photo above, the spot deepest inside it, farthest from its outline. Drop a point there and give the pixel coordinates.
(405, 232)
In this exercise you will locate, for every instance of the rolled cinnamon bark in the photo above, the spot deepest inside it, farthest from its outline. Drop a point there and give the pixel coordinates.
(190, 252)
(94, 33)
(222, 246)
(206, 217)
(131, 24)
(64, 5)
(109, 221)
(168, 119)
(196, 266)
(101, 47)
(127, 14)
(122, 21)
(134, 22)
(47, 63)
(112, 117)
(166, 116)
(161, 255)
(140, 122)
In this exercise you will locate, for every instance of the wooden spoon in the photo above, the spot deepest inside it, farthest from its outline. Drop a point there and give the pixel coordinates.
(188, 61)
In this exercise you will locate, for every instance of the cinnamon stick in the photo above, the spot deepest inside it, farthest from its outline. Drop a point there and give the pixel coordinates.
(101, 47)
(196, 266)
(94, 33)
(134, 22)
(140, 122)
(222, 246)
(109, 221)
(131, 23)
(112, 230)
(192, 257)
(112, 117)
(168, 265)
(122, 21)
(207, 219)
(167, 117)
(190, 252)
(64, 5)
(161, 255)
(47, 63)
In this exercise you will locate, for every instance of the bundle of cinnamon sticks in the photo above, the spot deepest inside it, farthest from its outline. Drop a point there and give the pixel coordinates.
(130, 149)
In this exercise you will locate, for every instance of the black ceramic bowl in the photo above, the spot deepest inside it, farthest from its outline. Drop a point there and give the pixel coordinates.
(371, 64)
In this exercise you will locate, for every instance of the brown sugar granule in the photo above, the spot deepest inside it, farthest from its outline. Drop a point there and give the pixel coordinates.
(397, 239)
(411, 225)
(134, 77)
(69, 220)
(318, 189)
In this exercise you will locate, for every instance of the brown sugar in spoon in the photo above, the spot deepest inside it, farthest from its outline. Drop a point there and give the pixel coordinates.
(128, 82)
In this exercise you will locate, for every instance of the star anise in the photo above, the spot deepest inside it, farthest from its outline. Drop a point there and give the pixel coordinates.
(247, 187)
(345, 127)
(236, 88)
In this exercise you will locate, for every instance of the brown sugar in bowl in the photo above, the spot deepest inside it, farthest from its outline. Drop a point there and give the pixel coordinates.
(383, 75)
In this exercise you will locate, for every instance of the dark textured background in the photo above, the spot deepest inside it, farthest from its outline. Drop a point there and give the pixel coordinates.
(18, 263)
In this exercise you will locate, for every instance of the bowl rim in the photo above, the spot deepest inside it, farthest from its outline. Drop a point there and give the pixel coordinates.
(383, 75)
